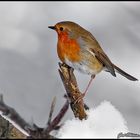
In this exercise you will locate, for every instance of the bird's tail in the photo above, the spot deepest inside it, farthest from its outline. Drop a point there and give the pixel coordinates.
(123, 73)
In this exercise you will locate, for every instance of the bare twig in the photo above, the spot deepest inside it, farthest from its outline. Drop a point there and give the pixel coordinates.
(53, 125)
(73, 93)
(58, 118)
(51, 110)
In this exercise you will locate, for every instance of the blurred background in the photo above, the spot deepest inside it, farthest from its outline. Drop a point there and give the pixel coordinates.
(29, 76)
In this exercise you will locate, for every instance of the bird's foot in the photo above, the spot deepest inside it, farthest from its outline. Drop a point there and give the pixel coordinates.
(79, 98)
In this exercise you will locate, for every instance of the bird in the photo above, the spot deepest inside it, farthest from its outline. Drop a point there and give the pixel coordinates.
(79, 49)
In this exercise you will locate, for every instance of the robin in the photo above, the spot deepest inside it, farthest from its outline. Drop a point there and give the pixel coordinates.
(79, 49)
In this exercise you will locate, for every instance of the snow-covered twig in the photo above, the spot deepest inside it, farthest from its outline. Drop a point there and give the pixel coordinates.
(13, 117)
(32, 131)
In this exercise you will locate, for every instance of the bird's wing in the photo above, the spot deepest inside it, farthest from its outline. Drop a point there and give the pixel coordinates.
(103, 58)
(94, 48)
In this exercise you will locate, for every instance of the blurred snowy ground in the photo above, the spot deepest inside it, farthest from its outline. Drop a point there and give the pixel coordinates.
(29, 77)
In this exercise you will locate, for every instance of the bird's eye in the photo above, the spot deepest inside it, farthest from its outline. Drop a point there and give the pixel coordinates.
(61, 28)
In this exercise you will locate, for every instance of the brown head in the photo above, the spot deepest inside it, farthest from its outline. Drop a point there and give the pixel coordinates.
(67, 44)
(73, 30)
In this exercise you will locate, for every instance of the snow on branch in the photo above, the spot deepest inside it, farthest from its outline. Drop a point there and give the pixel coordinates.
(13, 117)
(32, 131)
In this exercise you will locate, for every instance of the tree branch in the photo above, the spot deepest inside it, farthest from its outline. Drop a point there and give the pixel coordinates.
(13, 117)
(58, 118)
(51, 111)
(73, 93)
(21, 129)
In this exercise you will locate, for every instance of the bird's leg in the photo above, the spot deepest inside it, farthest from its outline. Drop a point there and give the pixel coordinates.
(82, 95)
(91, 79)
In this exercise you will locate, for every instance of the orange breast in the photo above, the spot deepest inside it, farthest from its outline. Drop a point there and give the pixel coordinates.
(67, 48)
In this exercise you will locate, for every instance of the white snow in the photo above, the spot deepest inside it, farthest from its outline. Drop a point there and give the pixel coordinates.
(104, 121)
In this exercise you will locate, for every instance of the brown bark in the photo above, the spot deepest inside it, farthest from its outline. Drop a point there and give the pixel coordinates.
(8, 131)
(72, 90)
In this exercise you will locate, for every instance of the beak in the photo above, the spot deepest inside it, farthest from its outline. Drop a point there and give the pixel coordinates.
(52, 27)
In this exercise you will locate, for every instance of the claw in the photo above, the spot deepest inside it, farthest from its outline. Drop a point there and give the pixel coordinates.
(79, 98)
